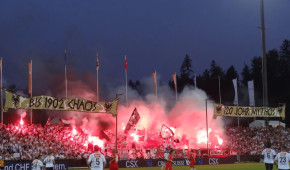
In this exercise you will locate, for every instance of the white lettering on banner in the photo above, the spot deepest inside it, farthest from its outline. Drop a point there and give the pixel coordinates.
(213, 161)
(24, 166)
(132, 164)
(175, 163)
(59, 167)
(187, 161)
(178, 163)
(123, 153)
(161, 163)
(8, 167)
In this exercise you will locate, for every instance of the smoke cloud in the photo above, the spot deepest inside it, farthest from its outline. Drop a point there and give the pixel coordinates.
(187, 115)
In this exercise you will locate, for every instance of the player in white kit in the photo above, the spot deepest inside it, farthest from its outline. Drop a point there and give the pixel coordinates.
(49, 161)
(96, 160)
(269, 155)
(283, 159)
(37, 164)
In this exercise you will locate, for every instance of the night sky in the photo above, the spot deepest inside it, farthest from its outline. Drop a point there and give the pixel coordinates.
(154, 34)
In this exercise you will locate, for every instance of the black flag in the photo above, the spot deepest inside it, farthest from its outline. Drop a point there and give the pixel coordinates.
(132, 121)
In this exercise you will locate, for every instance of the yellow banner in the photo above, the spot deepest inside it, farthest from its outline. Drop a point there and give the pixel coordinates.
(14, 101)
(240, 111)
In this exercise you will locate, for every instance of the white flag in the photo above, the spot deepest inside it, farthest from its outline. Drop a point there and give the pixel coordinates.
(251, 93)
(235, 83)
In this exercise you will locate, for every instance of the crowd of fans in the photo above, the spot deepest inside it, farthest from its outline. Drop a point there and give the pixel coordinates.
(25, 142)
(251, 140)
(28, 141)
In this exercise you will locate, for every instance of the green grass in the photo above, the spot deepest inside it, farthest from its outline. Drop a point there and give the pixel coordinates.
(240, 166)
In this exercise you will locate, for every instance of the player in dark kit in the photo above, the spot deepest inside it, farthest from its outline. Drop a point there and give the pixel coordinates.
(114, 161)
(169, 162)
(192, 160)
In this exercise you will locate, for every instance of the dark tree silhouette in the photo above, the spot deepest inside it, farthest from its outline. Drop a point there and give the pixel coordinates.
(246, 75)
(215, 70)
(231, 73)
(186, 75)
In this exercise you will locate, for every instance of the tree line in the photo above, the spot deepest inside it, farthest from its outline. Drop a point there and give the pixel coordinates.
(278, 69)
(278, 73)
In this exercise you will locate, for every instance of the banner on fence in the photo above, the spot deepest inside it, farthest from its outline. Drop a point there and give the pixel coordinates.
(14, 101)
(26, 165)
(241, 111)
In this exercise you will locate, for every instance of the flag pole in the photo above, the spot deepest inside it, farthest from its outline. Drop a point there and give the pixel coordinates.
(254, 93)
(126, 80)
(117, 133)
(254, 103)
(98, 85)
(1, 92)
(31, 93)
(220, 96)
(195, 80)
(238, 117)
(117, 126)
(97, 77)
(238, 103)
(176, 87)
(175, 84)
(65, 74)
(236, 93)
(156, 84)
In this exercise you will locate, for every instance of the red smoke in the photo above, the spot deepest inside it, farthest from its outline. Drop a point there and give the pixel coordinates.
(187, 119)
(187, 116)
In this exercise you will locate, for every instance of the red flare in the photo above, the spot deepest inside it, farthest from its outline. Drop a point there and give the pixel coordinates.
(21, 122)
(74, 131)
(96, 141)
(135, 137)
(220, 140)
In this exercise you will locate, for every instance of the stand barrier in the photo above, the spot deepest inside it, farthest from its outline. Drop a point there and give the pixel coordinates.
(26, 165)
(134, 163)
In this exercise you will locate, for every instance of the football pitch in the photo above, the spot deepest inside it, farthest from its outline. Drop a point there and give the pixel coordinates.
(240, 166)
